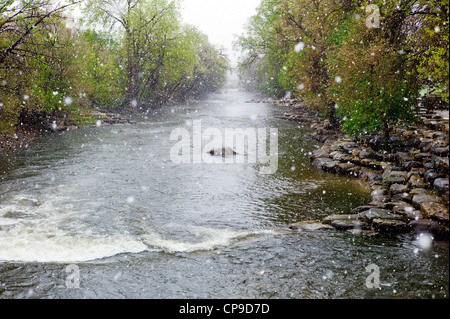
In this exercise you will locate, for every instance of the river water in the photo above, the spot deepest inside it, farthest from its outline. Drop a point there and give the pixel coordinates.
(106, 212)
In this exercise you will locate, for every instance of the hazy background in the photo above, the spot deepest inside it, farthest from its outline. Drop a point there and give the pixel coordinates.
(219, 19)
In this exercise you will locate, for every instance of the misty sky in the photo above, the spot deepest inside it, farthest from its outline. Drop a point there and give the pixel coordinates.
(219, 19)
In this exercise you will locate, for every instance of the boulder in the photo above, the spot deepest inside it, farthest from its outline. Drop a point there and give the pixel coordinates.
(420, 199)
(337, 156)
(441, 185)
(321, 152)
(360, 209)
(418, 191)
(415, 181)
(441, 151)
(345, 168)
(337, 217)
(223, 151)
(425, 144)
(345, 224)
(394, 177)
(390, 226)
(397, 189)
(329, 166)
(441, 163)
(431, 175)
(378, 192)
(421, 157)
(321, 161)
(431, 209)
(378, 213)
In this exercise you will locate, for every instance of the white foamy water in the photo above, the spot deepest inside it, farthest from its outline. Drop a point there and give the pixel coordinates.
(203, 239)
(39, 246)
(52, 229)
(45, 231)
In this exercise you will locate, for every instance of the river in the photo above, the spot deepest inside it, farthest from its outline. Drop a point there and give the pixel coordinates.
(106, 212)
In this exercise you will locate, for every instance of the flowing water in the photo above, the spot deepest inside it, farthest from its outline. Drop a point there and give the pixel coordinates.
(106, 213)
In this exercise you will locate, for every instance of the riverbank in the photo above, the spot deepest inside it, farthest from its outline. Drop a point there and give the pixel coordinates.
(25, 134)
(409, 186)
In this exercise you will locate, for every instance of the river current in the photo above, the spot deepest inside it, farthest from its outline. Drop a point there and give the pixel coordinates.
(106, 212)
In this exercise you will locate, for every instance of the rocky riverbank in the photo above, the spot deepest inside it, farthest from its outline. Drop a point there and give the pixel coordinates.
(410, 185)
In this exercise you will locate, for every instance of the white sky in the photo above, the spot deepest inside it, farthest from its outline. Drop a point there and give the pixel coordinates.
(220, 20)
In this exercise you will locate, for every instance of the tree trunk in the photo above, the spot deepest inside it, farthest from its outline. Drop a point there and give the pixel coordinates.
(387, 137)
(332, 117)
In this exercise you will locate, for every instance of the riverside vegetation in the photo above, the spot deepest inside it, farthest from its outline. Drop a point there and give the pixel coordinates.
(124, 56)
(366, 75)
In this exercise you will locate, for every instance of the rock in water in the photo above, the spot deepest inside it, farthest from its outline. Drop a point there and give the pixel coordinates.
(223, 151)
(310, 226)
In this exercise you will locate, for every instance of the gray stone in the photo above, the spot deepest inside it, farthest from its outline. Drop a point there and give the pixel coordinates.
(349, 224)
(378, 213)
(349, 146)
(420, 157)
(432, 209)
(425, 144)
(394, 177)
(378, 192)
(415, 181)
(431, 175)
(390, 226)
(441, 185)
(441, 151)
(418, 191)
(322, 152)
(329, 166)
(402, 157)
(360, 209)
(328, 220)
(397, 189)
(310, 226)
(345, 168)
(338, 156)
(420, 199)
(441, 163)
(319, 162)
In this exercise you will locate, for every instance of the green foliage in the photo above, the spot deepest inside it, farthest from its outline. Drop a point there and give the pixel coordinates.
(133, 53)
(264, 52)
(328, 55)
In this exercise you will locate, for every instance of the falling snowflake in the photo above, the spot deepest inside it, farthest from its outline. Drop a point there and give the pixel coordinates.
(68, 100)
(299, 46)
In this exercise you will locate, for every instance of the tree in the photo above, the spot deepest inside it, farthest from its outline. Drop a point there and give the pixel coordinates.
(18, 21)
(263, 50)
(430, 47)
(27, 56)
(376, 88)
(310, 29)
(145, 26)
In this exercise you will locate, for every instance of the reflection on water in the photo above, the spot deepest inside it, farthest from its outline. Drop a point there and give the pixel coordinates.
(111, 201)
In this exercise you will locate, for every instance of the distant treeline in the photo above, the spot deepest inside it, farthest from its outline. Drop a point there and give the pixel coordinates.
(131, 54)
(364, 64)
